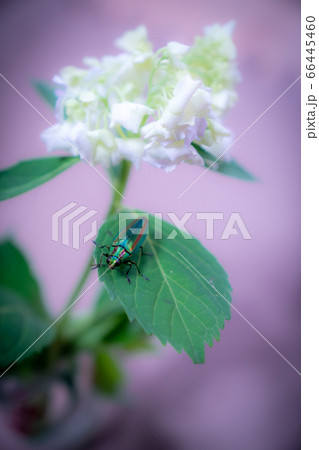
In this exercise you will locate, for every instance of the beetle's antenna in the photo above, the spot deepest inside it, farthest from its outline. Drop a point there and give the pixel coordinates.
(101, 246)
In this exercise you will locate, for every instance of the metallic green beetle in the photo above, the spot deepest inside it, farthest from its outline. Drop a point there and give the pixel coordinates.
(126, 243)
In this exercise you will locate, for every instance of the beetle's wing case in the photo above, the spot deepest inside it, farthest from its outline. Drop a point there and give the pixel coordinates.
(141, 224)
(130, 240)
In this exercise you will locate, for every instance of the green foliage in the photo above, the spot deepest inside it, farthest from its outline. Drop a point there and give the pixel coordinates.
(23, 317)
(20, 327)
(177, 304)
(46, 91)
(26, 175)
(231, 168)
(89, 331)
(118, 330)
(15, 274)
(107, 324)
(108, 375)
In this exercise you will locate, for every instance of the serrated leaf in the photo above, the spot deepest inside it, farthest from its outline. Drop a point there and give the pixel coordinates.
(15, 274)
(46, 91)
(26, 175)
(177, 304)
(20, 327)
(117, 328)
(231, 167)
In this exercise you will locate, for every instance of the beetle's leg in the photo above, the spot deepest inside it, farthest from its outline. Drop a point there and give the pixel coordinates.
(96, 266)
(122, 246)
(101, 246)
(138, 269)
(143, 253)
(128, 273)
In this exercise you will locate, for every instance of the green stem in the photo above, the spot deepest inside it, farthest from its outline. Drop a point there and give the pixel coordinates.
(119, 176)
(81, 282)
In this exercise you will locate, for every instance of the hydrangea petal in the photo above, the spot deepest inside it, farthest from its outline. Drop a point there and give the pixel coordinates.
(134, 40)
(129, 115)
(144, 105)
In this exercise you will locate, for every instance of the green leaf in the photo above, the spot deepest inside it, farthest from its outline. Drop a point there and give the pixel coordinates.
(107, 373)
(177, 304)
(88, 331)
(26, 175)
(20, 327)
(15, 274)
(231, 168)
(46, 91)
(127, 334)
(23, 316)
(104, 307)
(107, 324)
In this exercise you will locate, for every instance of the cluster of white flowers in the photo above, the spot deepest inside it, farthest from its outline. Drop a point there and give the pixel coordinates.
(146, 106)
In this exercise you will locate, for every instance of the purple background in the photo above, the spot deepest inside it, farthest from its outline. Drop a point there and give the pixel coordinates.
(245, 396)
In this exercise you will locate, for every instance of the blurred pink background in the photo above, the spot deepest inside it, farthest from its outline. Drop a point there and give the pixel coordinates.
(245, 396)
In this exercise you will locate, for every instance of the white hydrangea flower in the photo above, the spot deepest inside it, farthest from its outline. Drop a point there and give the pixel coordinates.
(67, 136)
(145, 106)
(212, 59)
(135, 41)
(183, 121)
(221, 34)
(167, 156)
(131, 149)
(104, 147)
(129, 115)
(175, 52)
(216, 139)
